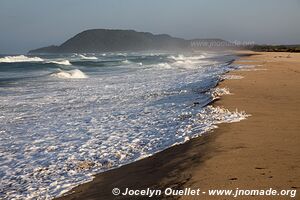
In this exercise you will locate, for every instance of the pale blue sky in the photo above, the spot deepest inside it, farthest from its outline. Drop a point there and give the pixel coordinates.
(28, 24)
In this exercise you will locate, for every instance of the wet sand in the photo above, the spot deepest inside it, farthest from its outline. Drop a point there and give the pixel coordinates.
(260, 152)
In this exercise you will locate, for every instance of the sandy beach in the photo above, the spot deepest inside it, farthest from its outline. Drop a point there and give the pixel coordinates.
(260, 152)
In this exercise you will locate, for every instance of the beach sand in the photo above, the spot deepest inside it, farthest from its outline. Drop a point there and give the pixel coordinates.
(260, 152)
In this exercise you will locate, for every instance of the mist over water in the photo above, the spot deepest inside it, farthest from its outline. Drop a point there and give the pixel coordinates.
(67, 117)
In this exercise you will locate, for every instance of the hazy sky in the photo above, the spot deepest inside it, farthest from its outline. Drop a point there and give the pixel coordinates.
(28, 24)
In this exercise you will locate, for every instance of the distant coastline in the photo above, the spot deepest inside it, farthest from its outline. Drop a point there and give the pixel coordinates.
(277, 48)
(113, 40)
(106, 40)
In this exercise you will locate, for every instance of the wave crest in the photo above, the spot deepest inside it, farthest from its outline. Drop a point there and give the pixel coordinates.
(188, 62)
(164, 65)
(74, 74)
(20, 58)
(60, 62)
(181, 57)
(87, 57)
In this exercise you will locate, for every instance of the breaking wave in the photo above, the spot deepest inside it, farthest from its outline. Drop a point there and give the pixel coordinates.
(87, 57)
(20, 58)
(184, 62)
(60, 62)
(164, 65)
(126, 62)
(181, 57)
(74, 74)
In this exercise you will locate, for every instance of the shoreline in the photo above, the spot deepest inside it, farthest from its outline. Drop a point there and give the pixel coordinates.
(207, 161)
(263, 151)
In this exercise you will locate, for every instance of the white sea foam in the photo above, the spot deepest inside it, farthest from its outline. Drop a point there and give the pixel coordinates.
(164, 65)
(60, 62)
(121, 54)
(74, 74)
(208, 119)
(217, 115)
(126, 62)
(20, 58)
(251, 68)
(87, 57)
(183, 58)
(183, 62)
(231, 77)
(189, 62)
(56, 134)
(217, 92)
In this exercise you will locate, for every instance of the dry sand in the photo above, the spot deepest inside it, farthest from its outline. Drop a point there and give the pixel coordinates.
(258, 153)
(264, 150)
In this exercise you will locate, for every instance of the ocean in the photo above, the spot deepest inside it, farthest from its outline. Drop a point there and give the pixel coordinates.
(64, 118)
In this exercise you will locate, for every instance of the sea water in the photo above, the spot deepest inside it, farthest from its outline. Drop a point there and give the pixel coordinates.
(64, 118)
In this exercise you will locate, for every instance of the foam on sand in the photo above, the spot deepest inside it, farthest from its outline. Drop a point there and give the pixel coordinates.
(208, 119)
(231, 77)
(216, 93)
(74, 74)
(20, 58)
(221, 115)
(247, 68)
